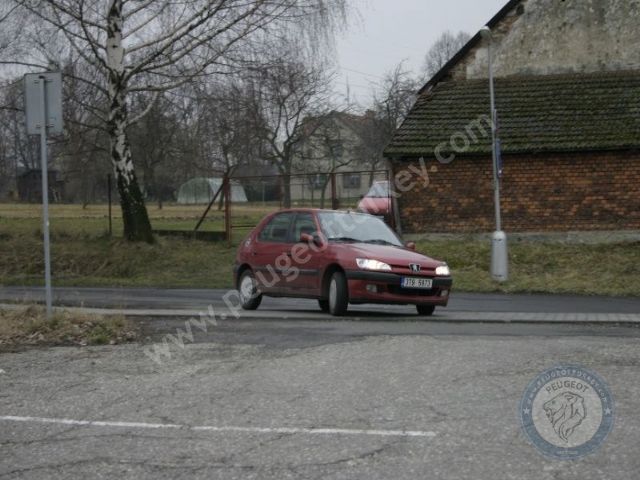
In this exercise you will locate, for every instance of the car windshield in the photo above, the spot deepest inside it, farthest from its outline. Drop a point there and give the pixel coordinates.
(356, 227)
(378, 190)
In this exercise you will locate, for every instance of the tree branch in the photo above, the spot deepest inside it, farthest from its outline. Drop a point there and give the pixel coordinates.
(148, 108)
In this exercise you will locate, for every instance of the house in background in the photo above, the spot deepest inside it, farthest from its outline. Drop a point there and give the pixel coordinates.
(336, 143)
(568, 103)
(29, 183)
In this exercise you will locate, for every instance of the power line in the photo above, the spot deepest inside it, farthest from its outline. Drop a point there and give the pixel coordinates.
(361, 73)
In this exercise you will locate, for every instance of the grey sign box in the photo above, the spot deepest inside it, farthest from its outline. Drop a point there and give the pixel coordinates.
(33, 102)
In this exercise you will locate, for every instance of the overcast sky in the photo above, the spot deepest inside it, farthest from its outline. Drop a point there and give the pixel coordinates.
(390, 31)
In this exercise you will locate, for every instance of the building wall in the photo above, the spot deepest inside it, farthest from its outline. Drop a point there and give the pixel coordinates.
(560, 36)
(348, 193)
(540, 193)
(318, 161)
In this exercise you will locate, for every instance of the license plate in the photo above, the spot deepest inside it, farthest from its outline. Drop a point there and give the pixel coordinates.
(421, 283)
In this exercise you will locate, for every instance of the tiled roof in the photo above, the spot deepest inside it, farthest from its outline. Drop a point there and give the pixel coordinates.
(578, 112)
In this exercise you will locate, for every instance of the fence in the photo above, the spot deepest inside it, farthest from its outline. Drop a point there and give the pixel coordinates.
(267, 194)
(219, 207)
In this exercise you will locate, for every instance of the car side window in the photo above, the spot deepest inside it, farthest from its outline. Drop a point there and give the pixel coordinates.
(277, 229)
(303, 224)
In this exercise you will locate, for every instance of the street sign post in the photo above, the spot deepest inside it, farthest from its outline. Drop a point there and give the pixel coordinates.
(43, 111)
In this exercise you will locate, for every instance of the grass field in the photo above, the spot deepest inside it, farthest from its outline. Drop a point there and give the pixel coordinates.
(83, 254)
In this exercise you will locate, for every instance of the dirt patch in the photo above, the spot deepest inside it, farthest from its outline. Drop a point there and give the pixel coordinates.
(29, 327)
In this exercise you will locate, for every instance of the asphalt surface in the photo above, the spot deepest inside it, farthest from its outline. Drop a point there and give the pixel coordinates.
(366, 397)
(277, 335)
(376, 407)
(200, 299)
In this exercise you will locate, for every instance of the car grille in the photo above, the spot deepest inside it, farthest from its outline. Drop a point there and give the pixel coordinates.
(404, 270)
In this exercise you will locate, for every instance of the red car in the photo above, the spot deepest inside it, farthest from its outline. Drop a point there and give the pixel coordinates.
(337, 258)
(377, 201)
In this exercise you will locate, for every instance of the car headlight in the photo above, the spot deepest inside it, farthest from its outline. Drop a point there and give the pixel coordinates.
(443, 271)
(368, 264)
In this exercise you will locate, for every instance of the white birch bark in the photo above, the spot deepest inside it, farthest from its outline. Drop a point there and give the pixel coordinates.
(136, 220)
(117, 90)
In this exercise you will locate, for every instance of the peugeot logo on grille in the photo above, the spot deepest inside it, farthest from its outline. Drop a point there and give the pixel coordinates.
(414, 267)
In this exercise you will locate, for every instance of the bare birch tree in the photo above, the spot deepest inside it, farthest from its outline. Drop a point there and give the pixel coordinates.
(149, 47)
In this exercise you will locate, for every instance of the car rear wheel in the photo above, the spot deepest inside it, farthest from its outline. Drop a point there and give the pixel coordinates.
(426, 310)
(338, 294)
(324, 305)
(249, 297)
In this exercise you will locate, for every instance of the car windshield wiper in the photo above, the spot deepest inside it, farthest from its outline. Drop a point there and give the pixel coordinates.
(381, 242)
(344, 239)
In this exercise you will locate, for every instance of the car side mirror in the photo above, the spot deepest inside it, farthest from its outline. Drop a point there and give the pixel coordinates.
(315, 239)
(410, 245)
(306, 238)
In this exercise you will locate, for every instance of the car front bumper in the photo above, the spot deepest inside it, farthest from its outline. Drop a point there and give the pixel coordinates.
(379, 287)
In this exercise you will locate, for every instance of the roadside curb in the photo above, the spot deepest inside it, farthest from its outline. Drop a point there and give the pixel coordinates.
(439, 317)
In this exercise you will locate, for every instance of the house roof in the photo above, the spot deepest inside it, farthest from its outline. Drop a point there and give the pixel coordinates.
(577, 112)
(356, 123)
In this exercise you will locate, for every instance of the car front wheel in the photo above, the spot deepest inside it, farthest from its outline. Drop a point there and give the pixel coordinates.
(338, 294)
(426, 310)
(250, 298)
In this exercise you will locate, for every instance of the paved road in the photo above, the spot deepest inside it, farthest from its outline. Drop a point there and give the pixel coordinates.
(281, 334)
(268, 398)
(362, 406)
(199, 299)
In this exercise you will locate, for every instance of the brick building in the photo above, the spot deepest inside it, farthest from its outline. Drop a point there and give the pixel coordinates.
(568, 102)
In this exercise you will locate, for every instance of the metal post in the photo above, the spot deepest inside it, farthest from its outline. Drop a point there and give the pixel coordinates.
(45, 196)
(494, 126)
(499, 253)
(334, 195)
(220, 191)
(109, 197)
(227, 208)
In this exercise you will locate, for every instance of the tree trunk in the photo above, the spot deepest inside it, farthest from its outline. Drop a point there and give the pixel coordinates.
(285, 171)
(286, 197)
(134, 212)
(323, 194)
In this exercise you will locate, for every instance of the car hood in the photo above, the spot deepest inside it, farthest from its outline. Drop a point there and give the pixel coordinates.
(391, 255)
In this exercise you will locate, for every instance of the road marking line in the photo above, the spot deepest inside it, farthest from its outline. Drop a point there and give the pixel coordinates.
(204, 428)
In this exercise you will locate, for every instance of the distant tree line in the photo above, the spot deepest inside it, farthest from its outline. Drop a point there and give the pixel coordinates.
(160, 92)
